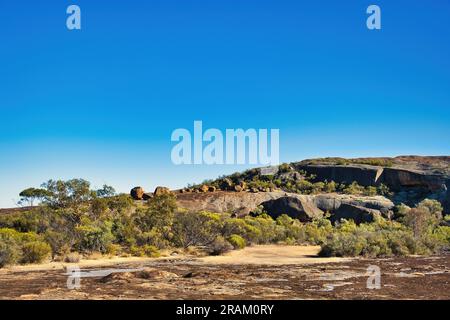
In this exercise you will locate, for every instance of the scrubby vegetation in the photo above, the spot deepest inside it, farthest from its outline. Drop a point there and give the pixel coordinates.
(418, 231)
(381, 162)
(285, 177)
(74, 221)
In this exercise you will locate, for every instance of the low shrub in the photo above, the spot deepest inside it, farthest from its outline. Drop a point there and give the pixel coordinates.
(35, 252)
(237, 241)
(383, 238)
(113, 249)
(94, 236)
(343, 245)
(72, 257)
(151, 251)
(9, 252)
(219, 246)
(196, 228)
(137, 251)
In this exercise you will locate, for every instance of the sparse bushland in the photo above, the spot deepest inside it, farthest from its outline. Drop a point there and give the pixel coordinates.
(288, 179)
(418, 231)
(79, 222)
(381, 162)
(21, 247)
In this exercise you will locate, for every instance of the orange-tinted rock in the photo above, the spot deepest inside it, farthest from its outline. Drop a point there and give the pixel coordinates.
(137, 193)
(161, 190)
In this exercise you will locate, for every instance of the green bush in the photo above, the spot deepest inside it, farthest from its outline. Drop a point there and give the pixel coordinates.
(158, 214)
(94, 236)
(58, 242)
(137, 251)
(382, 238)
(262, 229)
(292, 228)
(343, 245)
(151, 251)
(72, 257)
(35, 252)
(23, 247)
(442, 234)
(330, 187)
(354, 188)
(9, 252)
(237, 241)
(317, 231)
(196, 228)
(370, 191)
(219, 246)
(153, 237)
(284, 168)
(113, 249)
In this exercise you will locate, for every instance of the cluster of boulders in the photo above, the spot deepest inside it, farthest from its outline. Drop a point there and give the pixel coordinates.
(226, 185)
(138, 193)
(302, 207)
(409, 185)
(203, 188)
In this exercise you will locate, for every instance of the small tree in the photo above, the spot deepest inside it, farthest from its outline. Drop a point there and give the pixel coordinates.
(67, 194)
(418, 219)
(433, 206)
(158, 216)
(105, 192)
(30, 195)
(196, 229)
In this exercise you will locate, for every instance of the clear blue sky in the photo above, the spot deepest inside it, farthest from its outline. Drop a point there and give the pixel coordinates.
(101, 103)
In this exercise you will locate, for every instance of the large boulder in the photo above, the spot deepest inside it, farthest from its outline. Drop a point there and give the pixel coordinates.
(396, 179)
(305, 207)
(327, 202)
(242, 186)
(356, 213)
(137, 193)
(236, 203)
(332, 202)
(161, 190)
(364, 175)
(301, 208)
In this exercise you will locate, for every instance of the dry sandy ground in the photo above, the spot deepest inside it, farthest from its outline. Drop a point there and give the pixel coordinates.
(272, 255)
(260, 272)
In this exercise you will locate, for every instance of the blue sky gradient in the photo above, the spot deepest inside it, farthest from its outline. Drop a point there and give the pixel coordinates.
(101, 103)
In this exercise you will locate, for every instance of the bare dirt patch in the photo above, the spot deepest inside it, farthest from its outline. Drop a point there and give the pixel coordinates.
(272, 255)
(254, 273)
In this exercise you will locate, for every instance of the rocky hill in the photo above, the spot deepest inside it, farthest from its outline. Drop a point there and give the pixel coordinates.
(356, 189)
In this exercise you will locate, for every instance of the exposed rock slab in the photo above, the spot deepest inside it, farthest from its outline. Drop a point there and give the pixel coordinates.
(303, 207)
(295, 206)
(239, 203)
(356, 213)
(397, 178)
(331, 202)
(363, 174)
